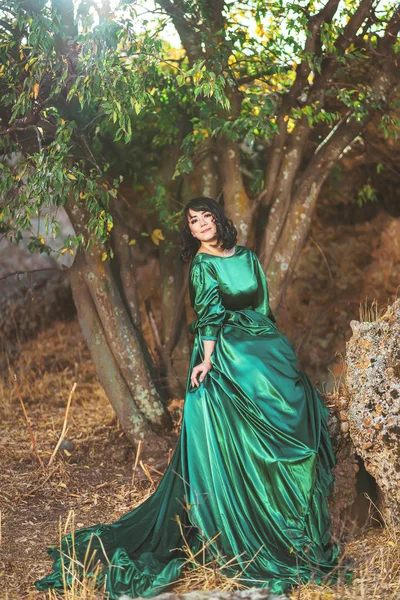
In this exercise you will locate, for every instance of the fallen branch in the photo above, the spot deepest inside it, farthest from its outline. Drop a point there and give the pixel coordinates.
(146, 472)
(28, 422)
(64, 427)
(139, 447)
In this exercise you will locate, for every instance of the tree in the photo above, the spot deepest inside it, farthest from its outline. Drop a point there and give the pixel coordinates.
(120, 129)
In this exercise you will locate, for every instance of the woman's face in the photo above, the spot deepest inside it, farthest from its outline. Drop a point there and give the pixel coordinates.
(201, 224)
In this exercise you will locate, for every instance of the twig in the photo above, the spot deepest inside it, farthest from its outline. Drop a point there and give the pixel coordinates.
(29, 272)
(153, 325)
(324, 310)
(106, 484)
(325, 260)
(40, 486)
(38, 138)
(64, 427)
(29, 423)
(146, 471)
(139, 447)
(154, 469)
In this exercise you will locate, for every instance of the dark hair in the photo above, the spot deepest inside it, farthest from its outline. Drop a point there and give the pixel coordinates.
(226, 231)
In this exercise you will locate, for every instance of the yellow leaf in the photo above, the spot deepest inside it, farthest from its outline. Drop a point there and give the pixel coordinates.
(41, 238)
(86, 79)
(62, 484)
(36, 87)
(81, 195)
(105, 186)
(156, 236)
(260, 30)
(21, 173)
(110, 225)
(286, 118)
(71, 176)
(21, 53)
(104, 256)
(132, 243)
(63, 251)
(290, 125)
(71, 252)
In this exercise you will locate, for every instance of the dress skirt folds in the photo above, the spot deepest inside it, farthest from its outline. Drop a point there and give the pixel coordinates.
(252, 467)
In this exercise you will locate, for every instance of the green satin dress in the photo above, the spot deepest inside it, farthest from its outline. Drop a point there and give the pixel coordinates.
(252, 463)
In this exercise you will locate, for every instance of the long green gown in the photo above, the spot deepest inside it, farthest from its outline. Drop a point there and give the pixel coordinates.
(252, 463)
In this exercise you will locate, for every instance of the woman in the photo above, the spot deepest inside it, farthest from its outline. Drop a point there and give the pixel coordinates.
(252, 466)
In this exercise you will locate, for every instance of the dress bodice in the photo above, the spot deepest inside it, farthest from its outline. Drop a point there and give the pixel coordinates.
(219, 285)
(236, 276)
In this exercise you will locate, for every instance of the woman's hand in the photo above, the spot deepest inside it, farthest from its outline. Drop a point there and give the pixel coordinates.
(203, 368)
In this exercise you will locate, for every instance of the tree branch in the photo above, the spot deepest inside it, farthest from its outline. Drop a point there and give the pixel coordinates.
(189, 38)
(302, 73)
(30, 272)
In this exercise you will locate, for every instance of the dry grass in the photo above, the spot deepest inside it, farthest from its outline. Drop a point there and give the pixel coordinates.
(376, 559)
(206, 574)
(102, 478)
(94, 478)
(377, 572)
(82, 585)
(371, 311)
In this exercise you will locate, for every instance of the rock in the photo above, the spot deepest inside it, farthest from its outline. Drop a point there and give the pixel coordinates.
(253, 593)
(34, 288)
(67, 445)
(373, 409)
(31, 302)
(345, 473)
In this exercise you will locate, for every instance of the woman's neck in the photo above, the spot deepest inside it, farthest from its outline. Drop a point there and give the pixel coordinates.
(215, 250)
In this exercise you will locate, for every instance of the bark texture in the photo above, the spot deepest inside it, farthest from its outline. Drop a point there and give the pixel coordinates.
(292, 188)
(134, 424)
(123, 339)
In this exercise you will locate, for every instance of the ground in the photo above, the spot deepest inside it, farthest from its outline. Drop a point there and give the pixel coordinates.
(92, 480)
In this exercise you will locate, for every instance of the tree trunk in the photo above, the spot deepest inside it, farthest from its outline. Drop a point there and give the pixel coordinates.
(133, 422)
(292, 221)
(120, 336)
(236, 201)
(202, 181)
(125, 269)
(175, 351)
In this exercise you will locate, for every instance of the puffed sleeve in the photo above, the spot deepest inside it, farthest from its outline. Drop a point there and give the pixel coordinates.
(262, 297)
(206, 301)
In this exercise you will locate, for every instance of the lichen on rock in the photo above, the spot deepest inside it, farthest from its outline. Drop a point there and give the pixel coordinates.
(373, 409)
